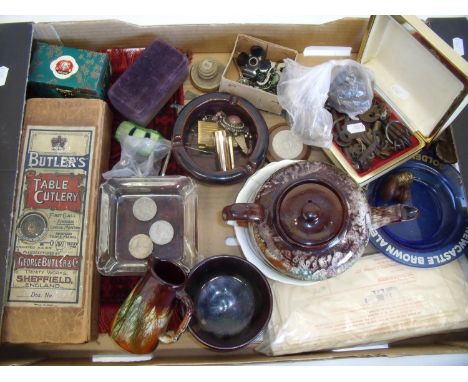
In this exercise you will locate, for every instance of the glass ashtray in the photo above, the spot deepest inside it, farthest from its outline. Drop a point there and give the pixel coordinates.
(143, 217)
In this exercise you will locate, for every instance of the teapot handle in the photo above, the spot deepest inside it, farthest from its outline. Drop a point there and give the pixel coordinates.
(381, 216)
(244, 211)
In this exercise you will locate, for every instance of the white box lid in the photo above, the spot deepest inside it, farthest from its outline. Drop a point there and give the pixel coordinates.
(419, 86)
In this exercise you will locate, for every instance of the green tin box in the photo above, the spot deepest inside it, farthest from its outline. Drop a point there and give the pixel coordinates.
(58, 71)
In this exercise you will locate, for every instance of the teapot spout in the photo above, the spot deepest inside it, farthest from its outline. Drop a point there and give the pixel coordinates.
(381, 216)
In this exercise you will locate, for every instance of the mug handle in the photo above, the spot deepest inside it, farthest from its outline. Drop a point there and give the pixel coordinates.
(171, 338)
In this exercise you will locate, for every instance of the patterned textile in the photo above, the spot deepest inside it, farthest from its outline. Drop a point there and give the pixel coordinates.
(115, 289)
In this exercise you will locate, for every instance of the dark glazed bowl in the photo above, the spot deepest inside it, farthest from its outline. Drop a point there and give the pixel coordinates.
(204, 169)
(232, 302)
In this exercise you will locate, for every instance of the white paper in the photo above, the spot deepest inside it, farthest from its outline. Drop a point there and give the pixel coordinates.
(328, 51)
(376, 301)
(458, 46)
(3, 75)
(355, 128)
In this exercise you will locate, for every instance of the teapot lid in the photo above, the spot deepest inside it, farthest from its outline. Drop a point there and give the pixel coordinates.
(310, 214)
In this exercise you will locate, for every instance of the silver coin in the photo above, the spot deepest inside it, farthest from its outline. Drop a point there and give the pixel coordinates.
(140, 246)
(144, 209)
(161, 232)
(287, 145)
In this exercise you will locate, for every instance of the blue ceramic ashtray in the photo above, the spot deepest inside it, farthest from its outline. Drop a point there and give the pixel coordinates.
(440, 233)
(232, 302)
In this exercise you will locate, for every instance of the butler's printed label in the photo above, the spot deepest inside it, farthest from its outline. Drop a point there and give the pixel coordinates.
(51, 216)
(64, 67)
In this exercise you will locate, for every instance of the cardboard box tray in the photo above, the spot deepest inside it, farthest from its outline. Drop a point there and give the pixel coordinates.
(216, 41)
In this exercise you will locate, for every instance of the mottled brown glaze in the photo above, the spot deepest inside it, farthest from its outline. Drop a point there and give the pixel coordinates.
(340, 246)
(311, 221)
(381, 216)
(142, 319)
(310, 214)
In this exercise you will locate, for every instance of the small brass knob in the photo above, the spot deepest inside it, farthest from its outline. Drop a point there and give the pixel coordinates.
(206, 74)
(208, 69)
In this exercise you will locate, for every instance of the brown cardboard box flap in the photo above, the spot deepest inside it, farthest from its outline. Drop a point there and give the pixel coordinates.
(201, 38)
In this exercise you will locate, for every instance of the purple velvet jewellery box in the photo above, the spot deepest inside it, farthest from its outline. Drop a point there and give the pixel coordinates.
(145, 87)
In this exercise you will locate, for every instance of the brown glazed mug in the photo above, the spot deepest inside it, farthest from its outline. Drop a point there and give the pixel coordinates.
(142, 320)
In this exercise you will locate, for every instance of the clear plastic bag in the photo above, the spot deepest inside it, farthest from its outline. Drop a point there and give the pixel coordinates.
(140, 157)
(376, 301)
(303, 92)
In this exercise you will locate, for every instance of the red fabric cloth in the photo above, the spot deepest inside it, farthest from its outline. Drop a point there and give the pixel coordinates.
(115, 289)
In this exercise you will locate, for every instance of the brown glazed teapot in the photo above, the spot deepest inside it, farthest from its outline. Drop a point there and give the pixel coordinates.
(311, 221)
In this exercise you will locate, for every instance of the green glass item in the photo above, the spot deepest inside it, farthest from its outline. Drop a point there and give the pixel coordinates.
(127, 128)
(61, 72)
(137, 131)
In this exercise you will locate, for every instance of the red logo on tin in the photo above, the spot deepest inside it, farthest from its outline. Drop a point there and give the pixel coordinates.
(64, 67)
